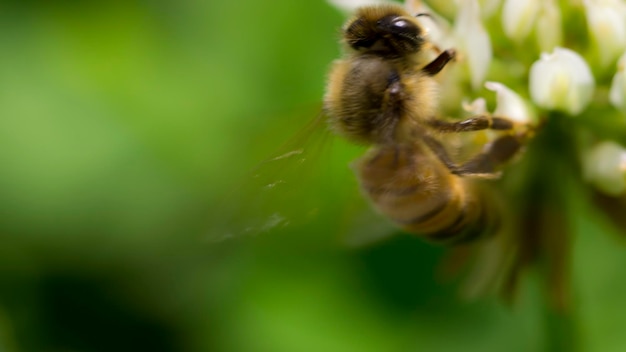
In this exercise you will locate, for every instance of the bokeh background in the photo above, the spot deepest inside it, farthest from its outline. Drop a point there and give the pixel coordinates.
(121, 125)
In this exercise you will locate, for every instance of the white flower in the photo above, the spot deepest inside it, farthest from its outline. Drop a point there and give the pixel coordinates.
(617, 94)
(518, 17)
(606, 20)
(476, 107)
(473, 41)
(548, 29)
(561, 81)
(605, 167)
(510, 105)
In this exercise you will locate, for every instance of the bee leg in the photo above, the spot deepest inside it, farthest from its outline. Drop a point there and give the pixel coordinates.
(439, 62)
(441, 153)
(392, 99)
(425, 14)
(474, 123)
(486, 163)
(493, 155)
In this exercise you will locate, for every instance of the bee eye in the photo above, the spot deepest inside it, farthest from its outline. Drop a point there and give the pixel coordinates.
(401, 23)
(404, 27)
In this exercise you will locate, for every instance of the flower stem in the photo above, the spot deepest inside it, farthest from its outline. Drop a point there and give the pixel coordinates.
(554, 174)
(560, 323)
(560, 330)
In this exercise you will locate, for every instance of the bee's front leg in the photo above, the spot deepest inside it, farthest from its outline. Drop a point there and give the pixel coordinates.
(435, 66)
(474, 123)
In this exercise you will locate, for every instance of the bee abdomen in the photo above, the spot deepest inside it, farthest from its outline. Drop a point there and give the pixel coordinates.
(452, 217)
(472, 220)
(424, 198)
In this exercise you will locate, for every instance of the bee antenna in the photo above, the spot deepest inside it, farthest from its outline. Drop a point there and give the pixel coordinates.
(427, 15)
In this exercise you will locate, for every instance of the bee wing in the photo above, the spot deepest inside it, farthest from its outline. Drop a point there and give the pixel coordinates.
(368, 229)
(361, 226)
(278, 192)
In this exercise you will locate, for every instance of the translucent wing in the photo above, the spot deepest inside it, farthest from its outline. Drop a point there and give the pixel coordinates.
(284, 190)
(361, 226)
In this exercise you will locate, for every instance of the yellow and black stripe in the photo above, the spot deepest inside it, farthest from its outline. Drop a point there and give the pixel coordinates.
(419, 194)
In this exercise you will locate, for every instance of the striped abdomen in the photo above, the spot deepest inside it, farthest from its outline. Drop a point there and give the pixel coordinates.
(417, 192)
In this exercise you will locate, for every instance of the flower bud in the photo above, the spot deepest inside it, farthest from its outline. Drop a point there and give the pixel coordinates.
(617, 94)
(473, 41)
(476, 107)
(518, 17)
(606, 20)
(561, 81)
(548, 28)
(604, 166)
(510, 105)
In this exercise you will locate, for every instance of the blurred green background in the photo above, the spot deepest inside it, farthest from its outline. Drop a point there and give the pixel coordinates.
(122, 122)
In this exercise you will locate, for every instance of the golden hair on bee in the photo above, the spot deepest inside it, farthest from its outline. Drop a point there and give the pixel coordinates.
(383, 87)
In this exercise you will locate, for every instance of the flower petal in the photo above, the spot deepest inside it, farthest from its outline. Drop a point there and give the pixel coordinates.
(617, 94)
(606, 20)
(476, 107)
(473, 41)
(549, 31)
(561, 81)
(518, 17)
(510, 105)
(605, 167)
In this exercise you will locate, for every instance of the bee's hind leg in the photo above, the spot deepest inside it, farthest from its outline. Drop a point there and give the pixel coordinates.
(441, 152)
(486, 163)
(492, 156)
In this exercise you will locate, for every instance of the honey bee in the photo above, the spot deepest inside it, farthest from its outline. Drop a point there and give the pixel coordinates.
(384, 94)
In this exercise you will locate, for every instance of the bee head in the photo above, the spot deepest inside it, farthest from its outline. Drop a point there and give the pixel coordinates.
(387, 30)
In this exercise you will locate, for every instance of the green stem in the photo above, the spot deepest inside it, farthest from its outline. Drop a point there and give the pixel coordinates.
(561, 330)
(554, 172)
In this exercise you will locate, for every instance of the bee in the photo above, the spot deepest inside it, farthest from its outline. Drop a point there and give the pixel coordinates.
(384, 94)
